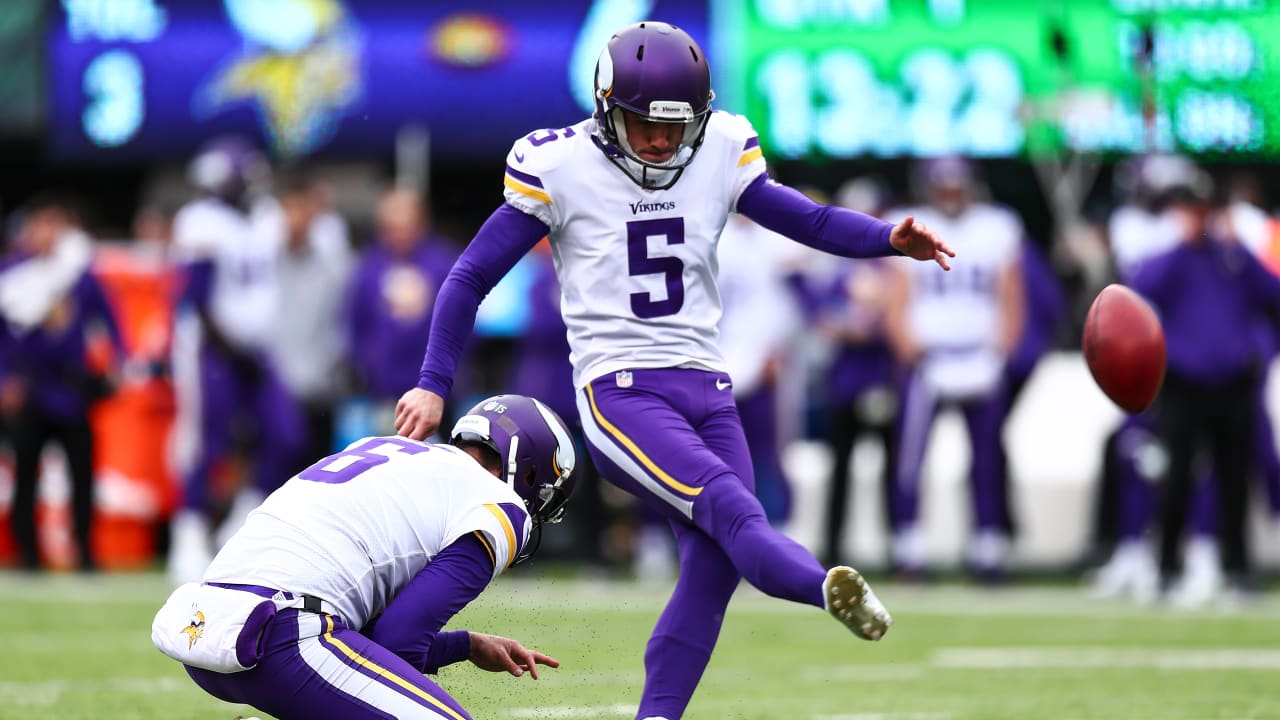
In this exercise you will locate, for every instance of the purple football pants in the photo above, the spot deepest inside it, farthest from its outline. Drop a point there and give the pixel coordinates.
(1138, 493)
(315, 668)
(984, 416)
(229, 397)
(672, 437)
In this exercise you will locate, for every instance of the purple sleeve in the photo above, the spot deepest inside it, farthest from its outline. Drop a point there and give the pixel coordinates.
(503, 239)
(834, 230)
(1155, 277)
(99, 305)
(410, 626)
(199, 283)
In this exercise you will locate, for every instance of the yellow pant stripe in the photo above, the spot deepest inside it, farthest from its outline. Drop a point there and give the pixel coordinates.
(383, 672)
(636, 451)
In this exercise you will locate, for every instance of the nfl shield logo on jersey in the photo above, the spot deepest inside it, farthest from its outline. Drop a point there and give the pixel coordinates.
(623, 378)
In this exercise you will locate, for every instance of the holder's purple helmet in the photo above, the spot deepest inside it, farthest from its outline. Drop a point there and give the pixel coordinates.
(657, 71)
(534, 445)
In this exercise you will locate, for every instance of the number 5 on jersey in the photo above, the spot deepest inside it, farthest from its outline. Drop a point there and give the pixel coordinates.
(671, 268)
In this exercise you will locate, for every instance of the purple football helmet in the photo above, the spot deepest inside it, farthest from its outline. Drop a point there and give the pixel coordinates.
(658, 72)
(228, 167)
(536, 449)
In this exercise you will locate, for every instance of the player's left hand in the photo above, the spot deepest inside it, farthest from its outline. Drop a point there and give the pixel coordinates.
(914, 240)
(499, 654)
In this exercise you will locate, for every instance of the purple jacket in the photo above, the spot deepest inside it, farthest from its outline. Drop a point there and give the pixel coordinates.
(1210, 297)
(389, 313)
(51, 362)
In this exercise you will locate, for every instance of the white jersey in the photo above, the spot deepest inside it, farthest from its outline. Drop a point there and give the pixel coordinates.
(1138, 235)
(637, 268)
(1249, 224)
(356, 527)
(243, 296)
(955, 316)
(762, 317)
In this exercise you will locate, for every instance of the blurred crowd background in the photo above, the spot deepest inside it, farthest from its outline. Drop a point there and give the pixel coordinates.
(291, 180)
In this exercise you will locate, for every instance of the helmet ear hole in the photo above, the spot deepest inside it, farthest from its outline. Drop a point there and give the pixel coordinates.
(528, 478)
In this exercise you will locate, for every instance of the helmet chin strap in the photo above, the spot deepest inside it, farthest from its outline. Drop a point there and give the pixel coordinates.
(511, 462)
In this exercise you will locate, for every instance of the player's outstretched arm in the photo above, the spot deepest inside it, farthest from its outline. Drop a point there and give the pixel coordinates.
(836, 230)
(418, 413)
(499, 654)
(914, 240)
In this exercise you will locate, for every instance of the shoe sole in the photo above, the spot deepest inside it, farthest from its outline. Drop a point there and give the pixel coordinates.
(849, 599)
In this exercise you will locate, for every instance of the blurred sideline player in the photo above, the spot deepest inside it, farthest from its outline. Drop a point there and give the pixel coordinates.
(953, 334)
(860, 384)
(633, 200)
(393, 292)
(346, 576)
(307, 342)
(1141, 230)
(1212, 294)
(227, 389)
(1261, 234)
(50, 306)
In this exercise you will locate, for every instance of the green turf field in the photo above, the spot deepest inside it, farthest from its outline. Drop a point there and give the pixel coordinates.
(80, 648)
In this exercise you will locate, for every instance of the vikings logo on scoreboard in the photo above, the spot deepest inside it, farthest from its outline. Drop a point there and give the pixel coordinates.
(299, 66)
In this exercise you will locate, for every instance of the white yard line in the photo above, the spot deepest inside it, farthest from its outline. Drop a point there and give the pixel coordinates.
(893, 672)
(885, 716)
(1156, 658)
(34, 693)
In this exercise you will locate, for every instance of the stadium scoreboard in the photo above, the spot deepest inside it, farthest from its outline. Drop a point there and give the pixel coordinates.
(137, 79)
(1003, 78)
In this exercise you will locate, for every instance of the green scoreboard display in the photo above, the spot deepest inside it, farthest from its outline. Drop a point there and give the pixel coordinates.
(999, 78)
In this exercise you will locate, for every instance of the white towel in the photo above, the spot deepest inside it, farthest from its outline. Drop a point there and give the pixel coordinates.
(30, 290)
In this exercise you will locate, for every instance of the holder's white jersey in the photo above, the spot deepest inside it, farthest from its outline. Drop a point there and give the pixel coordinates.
(637, 268)
(356, 527)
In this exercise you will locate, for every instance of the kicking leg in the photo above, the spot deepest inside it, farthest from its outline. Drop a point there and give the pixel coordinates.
(781, 567)
(644, 439)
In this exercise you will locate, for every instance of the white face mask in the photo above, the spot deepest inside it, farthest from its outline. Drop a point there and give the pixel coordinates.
(656, 175)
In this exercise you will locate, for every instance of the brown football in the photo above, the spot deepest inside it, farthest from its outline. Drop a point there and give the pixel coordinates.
(1124, 347)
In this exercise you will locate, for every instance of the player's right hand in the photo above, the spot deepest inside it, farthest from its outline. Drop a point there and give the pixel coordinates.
(499, 654)
(418, 413)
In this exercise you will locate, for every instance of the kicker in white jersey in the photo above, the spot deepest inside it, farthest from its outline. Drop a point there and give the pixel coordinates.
(637, 267)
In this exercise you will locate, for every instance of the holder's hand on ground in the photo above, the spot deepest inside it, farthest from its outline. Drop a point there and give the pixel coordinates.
(499, 654)
(914, 240)
(418, 413)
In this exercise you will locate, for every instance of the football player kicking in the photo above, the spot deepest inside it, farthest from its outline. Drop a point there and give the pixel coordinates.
(330, 599)
(633, 200)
